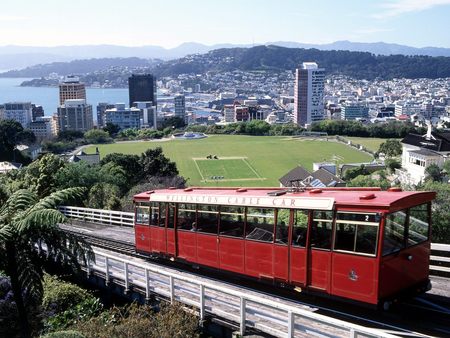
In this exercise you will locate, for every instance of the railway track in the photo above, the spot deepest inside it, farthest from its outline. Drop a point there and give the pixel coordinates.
(418, 318)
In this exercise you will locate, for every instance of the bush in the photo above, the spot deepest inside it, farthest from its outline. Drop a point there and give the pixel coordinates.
(141, 322)
(60, 296)
(64, 334)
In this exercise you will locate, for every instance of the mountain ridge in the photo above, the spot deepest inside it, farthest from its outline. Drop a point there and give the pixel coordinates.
(15, 57)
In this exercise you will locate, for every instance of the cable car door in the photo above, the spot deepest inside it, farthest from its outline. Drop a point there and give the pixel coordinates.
(319, 250)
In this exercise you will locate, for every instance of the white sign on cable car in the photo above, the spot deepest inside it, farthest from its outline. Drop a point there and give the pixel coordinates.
(316, 203)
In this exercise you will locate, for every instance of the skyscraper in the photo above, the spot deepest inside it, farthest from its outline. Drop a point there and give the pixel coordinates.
(180, 106)
(71, 89)
(18, 111)
(308, 94)
(142, 88)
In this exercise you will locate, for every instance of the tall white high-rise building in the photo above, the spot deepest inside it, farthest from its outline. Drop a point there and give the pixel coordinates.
(308, 94)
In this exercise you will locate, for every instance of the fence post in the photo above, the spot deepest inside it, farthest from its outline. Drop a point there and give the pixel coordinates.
(171, 286)
(291, 324)
(125, 268)
(106, 271)
(202, 302)
(242, 314)
(147, 287)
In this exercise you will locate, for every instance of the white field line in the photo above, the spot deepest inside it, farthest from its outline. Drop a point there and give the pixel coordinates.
(236, 179)
(198, 169)
(248, 164)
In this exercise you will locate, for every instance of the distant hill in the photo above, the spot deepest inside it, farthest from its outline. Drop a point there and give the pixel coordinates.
(360, 65)
(17, 57)
(79, 67)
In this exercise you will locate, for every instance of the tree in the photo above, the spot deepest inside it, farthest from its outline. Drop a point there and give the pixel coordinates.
(111, 128)
(9, 132)
(154, 163)
(30, 239)
(41, 175)
(97, 136)
(369, 181)
(390, 148)
(392, 164)
(174, 122)
(433, 173)
(129, 163)
(104, 196)
(354, 172)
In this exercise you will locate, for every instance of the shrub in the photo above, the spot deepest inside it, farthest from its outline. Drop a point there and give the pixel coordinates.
(64, 334)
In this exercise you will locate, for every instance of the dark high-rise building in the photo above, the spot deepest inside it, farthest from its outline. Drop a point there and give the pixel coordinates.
(142, 88)
(36, 111)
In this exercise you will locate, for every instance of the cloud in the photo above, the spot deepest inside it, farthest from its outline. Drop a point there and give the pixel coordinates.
(8, 18)
(399, 7)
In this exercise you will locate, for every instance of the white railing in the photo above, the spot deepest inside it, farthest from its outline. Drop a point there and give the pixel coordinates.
(280, 318)
(439, 264)
(99, 216)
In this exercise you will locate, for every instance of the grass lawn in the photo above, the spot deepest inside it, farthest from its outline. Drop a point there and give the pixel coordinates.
(370, 143)
(265, 158)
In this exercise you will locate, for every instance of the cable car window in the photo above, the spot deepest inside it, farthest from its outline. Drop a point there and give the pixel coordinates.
(419, 224)
(154, 212)
(171, 219)
(232, 221)
(162, 214)
(321, 230)
(356, 232)
(142, 213)
(260, 223)
(282, 229)
(207, 219)
(394, 232)
(299, 228)
(186, 217)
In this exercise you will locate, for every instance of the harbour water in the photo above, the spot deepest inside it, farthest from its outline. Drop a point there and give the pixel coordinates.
(47, 97)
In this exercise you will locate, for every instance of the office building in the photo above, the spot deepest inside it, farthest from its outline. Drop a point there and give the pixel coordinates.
(308, 94)
(101, 108)
(18, 111)
(142, 88)
(45, 127)
(71, 89)
(125, 118)
(180, 106)
(353, 111)
(148, 117)
(75, 115)
(241, 114)
(36, 111)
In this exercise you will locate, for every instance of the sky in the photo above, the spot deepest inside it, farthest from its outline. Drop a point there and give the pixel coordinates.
(168, 23)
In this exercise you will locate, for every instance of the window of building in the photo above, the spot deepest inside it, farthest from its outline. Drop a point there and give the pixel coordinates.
(142, 213)
(162, 215)
(171, 215)
(299, 228)
(154, 212)
(282, 228)
(186, 217)
(322, 225)
(260, 224)
(207, 219)
(394, 232)
(232, 221)
(357, 232)
(419, 224)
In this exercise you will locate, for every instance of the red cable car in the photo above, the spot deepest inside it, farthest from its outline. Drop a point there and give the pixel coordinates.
(362, 244)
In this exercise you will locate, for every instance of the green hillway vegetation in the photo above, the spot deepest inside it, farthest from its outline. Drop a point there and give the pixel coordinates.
(257, 160)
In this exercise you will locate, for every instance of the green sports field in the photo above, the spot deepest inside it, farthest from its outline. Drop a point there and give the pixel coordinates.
(241, 160)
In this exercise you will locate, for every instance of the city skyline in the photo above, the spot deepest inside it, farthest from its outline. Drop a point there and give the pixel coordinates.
(50, 23)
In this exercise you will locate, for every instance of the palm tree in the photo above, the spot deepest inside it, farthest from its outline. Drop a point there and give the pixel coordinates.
(30, 238)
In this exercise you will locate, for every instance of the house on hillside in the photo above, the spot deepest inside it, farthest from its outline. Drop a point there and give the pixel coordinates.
(300, 177)
(420, 151)
(8, 166)
(89, 158)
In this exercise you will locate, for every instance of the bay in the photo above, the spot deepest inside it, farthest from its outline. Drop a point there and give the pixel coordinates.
(48, 97)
